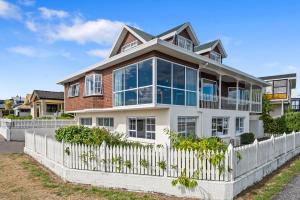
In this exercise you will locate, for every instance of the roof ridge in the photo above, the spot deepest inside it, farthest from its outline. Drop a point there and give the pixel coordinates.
(172, 29)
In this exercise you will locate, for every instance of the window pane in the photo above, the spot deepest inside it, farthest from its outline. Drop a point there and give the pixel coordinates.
(178, 76)
(163, 95)
(163, 73)
(86, 121)
(119, 99)
(145, 73)
(141, 132)
(130, 77)
(130, 97)
(191, 79)
(89, 85)
(119, 80)
(106, 121)
(145, 95)
(98, 83)
(178, 97)
(191, 98)
(100, 121)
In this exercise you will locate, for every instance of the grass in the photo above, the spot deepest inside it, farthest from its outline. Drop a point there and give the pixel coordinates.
(66, 189)
(277, 182)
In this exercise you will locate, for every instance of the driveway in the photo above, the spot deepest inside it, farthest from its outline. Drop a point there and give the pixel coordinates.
(10, 147)
(291, 190)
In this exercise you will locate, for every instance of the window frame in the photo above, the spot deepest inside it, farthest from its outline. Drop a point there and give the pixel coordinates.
(110, 119)
(216, 128)
(124, 90)
(152, 133)
(51, 106)
(238, 126)
(185, 41)
(129, 45)
(94, 93)
(186, 118)
(217, 55)
(215, 97)
(84, 118)
(185, 90)
(70, 93)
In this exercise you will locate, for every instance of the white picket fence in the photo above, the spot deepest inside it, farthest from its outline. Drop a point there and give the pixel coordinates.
(35, 123)
(163, 161)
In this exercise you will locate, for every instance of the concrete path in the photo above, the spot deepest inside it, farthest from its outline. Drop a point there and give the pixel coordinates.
(291, 190)
(10, 147)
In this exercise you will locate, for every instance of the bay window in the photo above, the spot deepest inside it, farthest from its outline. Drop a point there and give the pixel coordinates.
(93, 84)
(220, 126)
(133, 84)
(73, 90)
(141, 127)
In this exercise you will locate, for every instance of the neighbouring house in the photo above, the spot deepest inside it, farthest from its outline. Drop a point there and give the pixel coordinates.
(2, 107)
(23, 109)
(280, 92)
(168, 81)
(46, 103)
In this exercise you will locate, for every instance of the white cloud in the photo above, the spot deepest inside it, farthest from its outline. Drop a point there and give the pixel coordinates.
(50, 13)
(100, 31)
(31, 26)
(26, 2)
(8, 10)
(102, 53)
(23, 50)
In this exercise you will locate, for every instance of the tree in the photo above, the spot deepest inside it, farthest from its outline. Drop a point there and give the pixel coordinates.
(8, 104)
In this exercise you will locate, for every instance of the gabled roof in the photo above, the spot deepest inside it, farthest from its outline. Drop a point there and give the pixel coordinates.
(41, 94)
(179, 29)
(209, 46)
(144, 35)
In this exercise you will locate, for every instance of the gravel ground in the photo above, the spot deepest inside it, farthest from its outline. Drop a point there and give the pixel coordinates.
(291, 190)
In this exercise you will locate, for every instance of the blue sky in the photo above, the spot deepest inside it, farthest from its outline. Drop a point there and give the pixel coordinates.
(42, 42)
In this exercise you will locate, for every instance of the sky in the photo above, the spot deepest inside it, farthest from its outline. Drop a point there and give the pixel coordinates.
(43, 41)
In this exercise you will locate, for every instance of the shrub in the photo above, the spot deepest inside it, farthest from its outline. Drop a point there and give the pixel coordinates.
(292, 121)
(65, 116)
(247, 138)
(17, 117)
(90, 136)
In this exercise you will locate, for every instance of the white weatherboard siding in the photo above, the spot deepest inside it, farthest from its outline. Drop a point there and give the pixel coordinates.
(167, 118)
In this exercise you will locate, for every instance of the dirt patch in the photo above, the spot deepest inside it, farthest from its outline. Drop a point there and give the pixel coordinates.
(23, 178)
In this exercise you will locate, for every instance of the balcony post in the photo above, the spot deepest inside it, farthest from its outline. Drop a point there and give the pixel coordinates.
(237, 95)
(220, 91)
(261, 97)
(198, 93)
(250, 98)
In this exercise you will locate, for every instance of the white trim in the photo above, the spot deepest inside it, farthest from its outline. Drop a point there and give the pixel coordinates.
(72, 85)
(94, 93)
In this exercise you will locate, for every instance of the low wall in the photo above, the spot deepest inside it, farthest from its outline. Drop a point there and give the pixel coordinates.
(5, 133)
(17, 134)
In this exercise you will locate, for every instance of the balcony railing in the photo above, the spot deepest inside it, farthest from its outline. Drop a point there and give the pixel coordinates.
(228, 103)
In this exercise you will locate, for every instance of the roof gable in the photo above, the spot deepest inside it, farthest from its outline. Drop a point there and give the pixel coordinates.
(210, 46)
(141, 36)
(41, 94)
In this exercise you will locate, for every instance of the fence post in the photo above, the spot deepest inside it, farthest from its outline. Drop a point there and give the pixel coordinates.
(63, 152)
(34, 148)
(294, 138)
(256, 152)
(284, 135)
(166, 156)
(232, 161)
(46, 146)
(273, 147)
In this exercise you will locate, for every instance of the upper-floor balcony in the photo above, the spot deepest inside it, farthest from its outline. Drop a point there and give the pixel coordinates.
(162, 82)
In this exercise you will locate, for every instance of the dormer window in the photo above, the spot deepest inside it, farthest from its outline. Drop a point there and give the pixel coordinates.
(129, 46)
(216, 56)
(184, 43)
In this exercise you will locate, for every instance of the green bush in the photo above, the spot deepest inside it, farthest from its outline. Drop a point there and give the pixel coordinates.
(247, 138)
(90, 136)
(17, 117)
(292, 121)
(65, 116)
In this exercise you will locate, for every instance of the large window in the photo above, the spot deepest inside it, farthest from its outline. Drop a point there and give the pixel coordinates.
(184, 43)
(73, 90)
(239, 125)
(106, 122)
(133, 84)
(141, 127)
(52, 108)
(93, 84)
(209, 90)
(280, 86)
(220, 126)
(176, 84)
(86, 121)
(187, 126)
